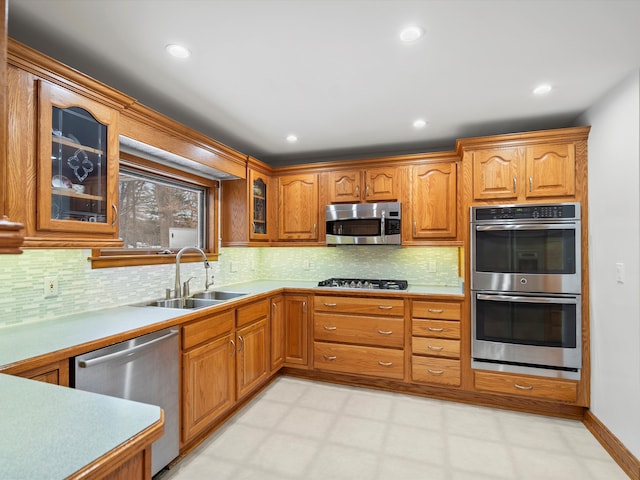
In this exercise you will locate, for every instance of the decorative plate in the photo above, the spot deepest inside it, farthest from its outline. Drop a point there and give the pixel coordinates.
(60, 181)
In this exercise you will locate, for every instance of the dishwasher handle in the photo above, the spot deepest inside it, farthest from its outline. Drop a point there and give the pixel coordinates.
(124, 353)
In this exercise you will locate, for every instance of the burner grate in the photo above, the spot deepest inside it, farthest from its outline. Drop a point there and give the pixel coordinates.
(364, 283)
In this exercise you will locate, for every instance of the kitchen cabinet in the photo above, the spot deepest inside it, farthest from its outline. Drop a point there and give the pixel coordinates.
(363, 336)
(375, 184)
(298, 207)
(296, 331)
(435, 342)
(526, 386)
(56, 373)
(277, 333)
(208, 372)
(252, 342)
(433, 207)
(77, 163)
(248, 208)
(523, 173)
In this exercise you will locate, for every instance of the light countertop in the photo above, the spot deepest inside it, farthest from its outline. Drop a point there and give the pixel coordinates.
(50, 432)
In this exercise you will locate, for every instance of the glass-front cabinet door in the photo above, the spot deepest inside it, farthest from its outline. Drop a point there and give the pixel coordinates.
(259, 217)
(78, 163)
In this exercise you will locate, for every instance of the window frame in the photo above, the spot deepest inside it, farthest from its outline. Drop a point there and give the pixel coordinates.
(110, 257)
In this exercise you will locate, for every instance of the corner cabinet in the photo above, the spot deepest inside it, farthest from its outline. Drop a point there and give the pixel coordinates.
(298, 207)
(77, 164)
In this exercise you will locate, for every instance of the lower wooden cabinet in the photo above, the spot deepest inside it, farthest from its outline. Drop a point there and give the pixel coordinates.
(527, 386)
(277, 333)
(296, 331)
(252, 362)
(441, 371)
(208, 372)
(359, 360)
(56, 373)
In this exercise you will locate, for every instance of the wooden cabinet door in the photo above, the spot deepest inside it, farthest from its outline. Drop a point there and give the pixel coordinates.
(77, 164)
(434, 200)
(277, 332)
(381, 184)
(207, 385)
(259, 205)
(495, 173)
(550, 170)
(253, 356)
(344, 186)
(296, 330)
(56, 373)
(298, 207)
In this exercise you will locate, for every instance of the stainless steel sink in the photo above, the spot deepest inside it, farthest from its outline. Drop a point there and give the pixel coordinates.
(216, 295)
(184, 303)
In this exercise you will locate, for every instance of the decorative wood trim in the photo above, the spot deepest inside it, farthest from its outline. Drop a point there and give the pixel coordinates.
(623, 457)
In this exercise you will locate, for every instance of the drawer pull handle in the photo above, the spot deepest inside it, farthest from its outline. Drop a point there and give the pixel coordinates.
(435, 310)
(385, 307)
(434, 329)
(435, 372)
(523, 387)
(385, 364)
(329, 327)
(330, 304)
(385, 332)
(329, 357)
(437, 349)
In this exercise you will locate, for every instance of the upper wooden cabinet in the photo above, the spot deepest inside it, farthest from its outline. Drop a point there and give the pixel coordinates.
(524, 172)
(77, 163)
(377, 184)
(527, 166)
(433, 205)
(248, 208)
(298, 207)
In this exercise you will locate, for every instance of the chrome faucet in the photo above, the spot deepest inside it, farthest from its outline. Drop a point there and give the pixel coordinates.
(206, 270)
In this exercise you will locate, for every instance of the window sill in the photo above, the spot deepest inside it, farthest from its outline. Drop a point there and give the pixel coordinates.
(139, 260)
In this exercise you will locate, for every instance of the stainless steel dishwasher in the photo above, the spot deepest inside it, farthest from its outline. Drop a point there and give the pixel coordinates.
(143, 369)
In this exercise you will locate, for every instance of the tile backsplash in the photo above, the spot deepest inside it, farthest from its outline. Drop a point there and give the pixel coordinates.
(82, 289)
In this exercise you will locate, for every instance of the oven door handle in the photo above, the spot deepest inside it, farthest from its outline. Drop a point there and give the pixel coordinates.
(528, 226)
(522, 299)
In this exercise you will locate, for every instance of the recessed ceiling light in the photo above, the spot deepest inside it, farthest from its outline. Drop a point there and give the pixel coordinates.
(178, 51)
(411, 34)
(291, 138)
(419, 123)
(542, 89)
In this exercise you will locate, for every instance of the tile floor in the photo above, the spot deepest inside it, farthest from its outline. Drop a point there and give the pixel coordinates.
(299, 429)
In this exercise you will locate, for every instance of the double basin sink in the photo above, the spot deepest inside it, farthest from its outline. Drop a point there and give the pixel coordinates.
(195, 301)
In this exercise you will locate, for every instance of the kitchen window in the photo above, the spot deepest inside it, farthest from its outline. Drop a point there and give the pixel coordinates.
(161, 209)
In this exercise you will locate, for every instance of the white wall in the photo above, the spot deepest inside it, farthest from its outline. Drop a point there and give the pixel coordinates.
(614, 237)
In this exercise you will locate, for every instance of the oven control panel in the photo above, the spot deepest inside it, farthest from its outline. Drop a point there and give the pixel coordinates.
(556, 211)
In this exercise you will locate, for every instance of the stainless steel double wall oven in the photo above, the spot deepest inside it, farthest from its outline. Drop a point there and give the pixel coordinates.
(526, 287)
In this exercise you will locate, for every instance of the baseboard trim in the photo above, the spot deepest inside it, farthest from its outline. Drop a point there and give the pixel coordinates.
(623, 457)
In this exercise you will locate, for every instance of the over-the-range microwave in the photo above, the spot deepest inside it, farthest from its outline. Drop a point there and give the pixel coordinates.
(364, 224)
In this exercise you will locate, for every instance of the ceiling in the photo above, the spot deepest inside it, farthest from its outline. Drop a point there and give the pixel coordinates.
(334, 72)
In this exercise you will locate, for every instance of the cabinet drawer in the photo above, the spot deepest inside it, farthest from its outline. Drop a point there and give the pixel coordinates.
(368, 306)
(252, 312)
(437, 310)
(382, 331)
(209, 328)
(379, 362)
(435, 370)
(548, 388)
(435, 328)
(436, 347)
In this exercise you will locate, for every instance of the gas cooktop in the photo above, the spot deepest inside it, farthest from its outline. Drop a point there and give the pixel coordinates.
(364, 283)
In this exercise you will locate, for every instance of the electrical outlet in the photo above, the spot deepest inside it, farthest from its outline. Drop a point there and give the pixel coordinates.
(50, 287)
(233, 268)
(305, 264)
(431, 266)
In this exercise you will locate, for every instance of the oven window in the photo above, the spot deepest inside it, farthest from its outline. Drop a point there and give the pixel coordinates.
(526, 251)
(540, 324)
